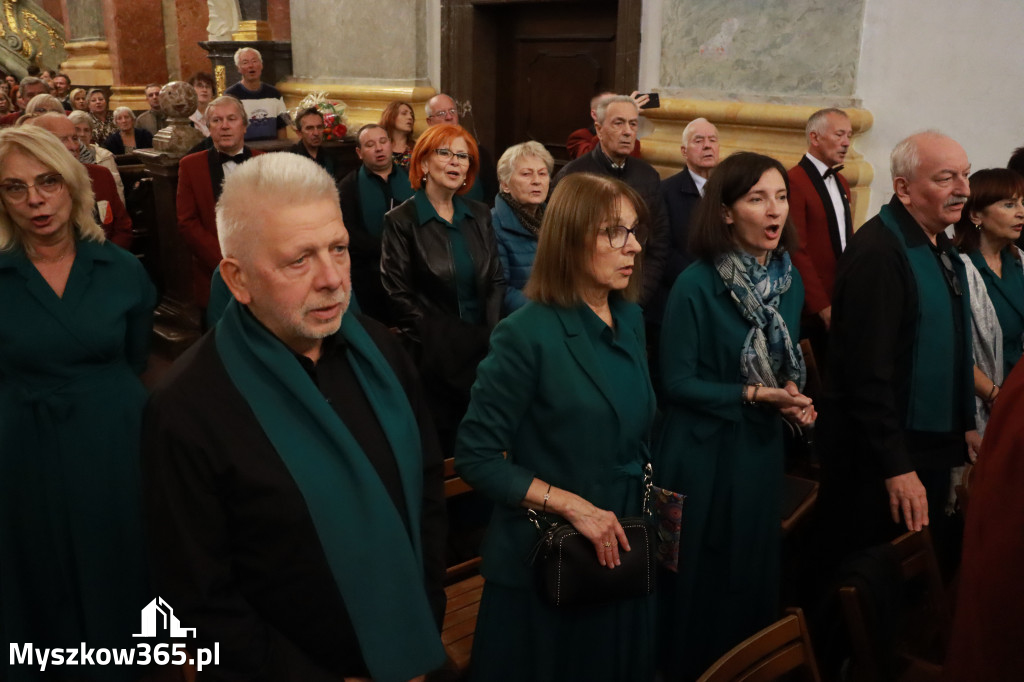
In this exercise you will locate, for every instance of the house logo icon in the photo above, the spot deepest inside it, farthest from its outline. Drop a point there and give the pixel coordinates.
(159, 616)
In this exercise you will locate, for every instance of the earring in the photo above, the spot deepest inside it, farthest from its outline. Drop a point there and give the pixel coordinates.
(424, 180)
(977, 226)
(463, 183)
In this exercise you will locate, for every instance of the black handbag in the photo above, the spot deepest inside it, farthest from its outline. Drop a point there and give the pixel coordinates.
(569, 575)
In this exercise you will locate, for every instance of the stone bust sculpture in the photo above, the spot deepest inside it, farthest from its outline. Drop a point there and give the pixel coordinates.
(224, 18)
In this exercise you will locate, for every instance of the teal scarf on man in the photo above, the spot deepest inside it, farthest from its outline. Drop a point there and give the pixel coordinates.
(371, 199)
(932, 405)
(376, 560)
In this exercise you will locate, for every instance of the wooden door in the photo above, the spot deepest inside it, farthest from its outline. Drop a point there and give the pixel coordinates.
(531, 68)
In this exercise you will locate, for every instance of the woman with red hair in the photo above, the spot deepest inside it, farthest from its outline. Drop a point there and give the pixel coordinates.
(440, 267)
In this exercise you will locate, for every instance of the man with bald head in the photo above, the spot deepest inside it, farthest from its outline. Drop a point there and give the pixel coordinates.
(110, 210)
(899, 404)
(682, 191)
(441, 109)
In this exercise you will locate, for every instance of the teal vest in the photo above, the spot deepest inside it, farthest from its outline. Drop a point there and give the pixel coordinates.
(932, 405)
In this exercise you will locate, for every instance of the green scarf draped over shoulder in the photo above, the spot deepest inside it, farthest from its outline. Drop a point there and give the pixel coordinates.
(932, 405)
(376, 560)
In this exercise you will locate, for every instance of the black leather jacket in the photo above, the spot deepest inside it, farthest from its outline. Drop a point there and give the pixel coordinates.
(418, 271)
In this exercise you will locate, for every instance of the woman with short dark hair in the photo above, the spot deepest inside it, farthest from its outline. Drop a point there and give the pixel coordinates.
(558, 423)
(731, 371)
(990, 223)
(102, 121)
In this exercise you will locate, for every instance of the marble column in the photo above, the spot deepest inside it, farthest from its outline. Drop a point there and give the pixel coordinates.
(88, 62)
(338, 48)
(135, 33)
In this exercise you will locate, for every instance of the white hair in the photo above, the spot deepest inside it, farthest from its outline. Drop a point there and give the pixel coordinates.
(124, 110)
(518, 152)
(221, 101)
(818, 121)
(602, 106)
(906, 158)
(44, 102)
(242, 50)
(688, 130)
(260, 185)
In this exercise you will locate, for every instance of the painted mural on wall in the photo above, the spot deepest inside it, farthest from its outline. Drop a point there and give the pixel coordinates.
(737, 49)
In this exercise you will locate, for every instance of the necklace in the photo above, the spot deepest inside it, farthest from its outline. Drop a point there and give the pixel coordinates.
(35, 258)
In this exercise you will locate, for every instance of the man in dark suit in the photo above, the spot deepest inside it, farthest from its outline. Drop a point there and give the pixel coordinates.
(200, 176)
(819, 206)
(617, 121)
(682, 191)
(367, 193)
(110, 210)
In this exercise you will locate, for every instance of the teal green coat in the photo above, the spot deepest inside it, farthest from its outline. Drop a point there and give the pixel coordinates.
(727, 458)
(72, 564)
(540, 396)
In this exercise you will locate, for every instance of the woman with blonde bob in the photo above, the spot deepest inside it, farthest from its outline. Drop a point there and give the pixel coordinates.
(75, 322)
(524, 180)
(558, 423)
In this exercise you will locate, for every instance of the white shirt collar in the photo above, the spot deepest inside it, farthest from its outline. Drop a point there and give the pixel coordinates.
(698, 180)
(820, 165)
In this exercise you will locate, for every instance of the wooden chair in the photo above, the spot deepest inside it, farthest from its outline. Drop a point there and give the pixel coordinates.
(921, 642)
(780, 648)
(464, 589)
(798, 497)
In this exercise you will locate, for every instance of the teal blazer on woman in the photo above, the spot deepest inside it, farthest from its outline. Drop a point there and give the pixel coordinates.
(542, 407)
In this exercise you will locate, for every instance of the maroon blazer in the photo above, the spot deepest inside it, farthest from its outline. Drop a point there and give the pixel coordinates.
(988, 627)
(810, 208)
(116, 223)
(199, 181)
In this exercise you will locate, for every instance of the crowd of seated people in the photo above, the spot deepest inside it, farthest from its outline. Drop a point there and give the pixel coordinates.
(528, 324)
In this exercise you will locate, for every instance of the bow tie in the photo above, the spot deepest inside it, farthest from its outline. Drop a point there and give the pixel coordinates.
(237, 158)
(832, 171)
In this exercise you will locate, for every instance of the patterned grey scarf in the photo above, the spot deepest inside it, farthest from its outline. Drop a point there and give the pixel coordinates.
(768, 356)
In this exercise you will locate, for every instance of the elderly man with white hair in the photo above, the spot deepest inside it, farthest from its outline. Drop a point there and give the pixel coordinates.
(683, 191)
(291, 477)
(898, 412)
(263, 102)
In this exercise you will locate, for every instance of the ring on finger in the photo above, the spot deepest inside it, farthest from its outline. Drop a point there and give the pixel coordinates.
(607, 544)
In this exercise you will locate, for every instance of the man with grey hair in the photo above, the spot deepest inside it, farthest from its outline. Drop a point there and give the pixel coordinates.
(268, 117)
(899, 404)
(617, 120)
(200, 177)
(819, 206)
(154, 119)
(30, 87)
(584, 140)
(683, 191)
(292, 481)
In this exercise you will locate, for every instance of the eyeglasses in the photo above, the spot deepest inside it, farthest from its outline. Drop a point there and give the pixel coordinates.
(447, 154)
(618, 235)
(446, 114)
(46, 185)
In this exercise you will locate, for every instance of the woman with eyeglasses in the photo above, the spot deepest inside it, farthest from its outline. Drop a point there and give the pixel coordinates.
(989, 226)
(559, 420)
(439, 265)
(732, 373)
(75, 323)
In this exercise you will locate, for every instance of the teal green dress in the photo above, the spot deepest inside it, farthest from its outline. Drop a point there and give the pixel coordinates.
(727, 458)
(1007, 296)
(570, 402)
(72, 564)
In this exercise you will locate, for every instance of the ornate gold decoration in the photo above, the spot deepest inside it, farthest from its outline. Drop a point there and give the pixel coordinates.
(26, 41)
(252, 29)
(54, 36)
(220, 74)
